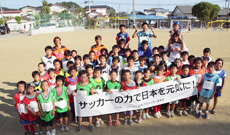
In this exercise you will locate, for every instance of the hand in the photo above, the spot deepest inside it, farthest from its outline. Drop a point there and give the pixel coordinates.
(136, 29)
(172, 50)
(53, 112)
(110, 92)
(121, 90)
(177, 78)
(34, 114)
(220, 91)
(69, 108)
(95, 92)
(152, 28)
(73, 93)
(43, 115)
(212, 97)
(178, 49)
(198, 84)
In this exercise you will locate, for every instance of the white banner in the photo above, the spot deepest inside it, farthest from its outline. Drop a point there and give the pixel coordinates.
(144, 97)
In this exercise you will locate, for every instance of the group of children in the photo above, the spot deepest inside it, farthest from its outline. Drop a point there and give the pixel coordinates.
(62, 73)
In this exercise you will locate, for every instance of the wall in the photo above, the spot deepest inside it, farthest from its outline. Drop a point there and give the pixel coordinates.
(51, 30)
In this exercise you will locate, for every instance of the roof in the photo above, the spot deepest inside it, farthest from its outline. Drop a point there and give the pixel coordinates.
(8, 12)
(72, 9)
(146, 17)
(152, 9)
(57, 5)
(223, 12)
(97, 6)
(184, 9)
(28, 7)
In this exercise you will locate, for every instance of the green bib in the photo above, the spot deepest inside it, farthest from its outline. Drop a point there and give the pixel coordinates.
(61, 102)
(169, 78)
(47, 106)
(62, 73)
(97, 85)
(149, 81)
(113, 85)
(86, 88)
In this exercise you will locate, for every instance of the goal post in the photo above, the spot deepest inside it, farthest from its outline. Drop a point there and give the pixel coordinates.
(184, 24)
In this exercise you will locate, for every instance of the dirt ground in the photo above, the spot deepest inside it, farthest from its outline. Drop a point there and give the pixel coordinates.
(20, 55)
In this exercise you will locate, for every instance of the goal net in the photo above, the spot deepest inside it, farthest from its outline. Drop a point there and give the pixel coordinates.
(184, 24)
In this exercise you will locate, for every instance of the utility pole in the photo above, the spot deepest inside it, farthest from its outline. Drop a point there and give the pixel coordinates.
(134, 14)
(228, 10)
(89, 6)
(1, 10)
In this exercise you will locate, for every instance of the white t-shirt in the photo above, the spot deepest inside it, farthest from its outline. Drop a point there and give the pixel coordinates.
(118, 73)
(175, 54)
(48, 61)
(64, 62)
(105, 72)
(133, 70)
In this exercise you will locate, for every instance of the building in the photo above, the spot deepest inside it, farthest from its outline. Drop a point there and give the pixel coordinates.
(11, 13)
(29, 10)
(55, 8)
(157, 12)
(222, 15)
(100, 9)
(26, 24)
(182, 12)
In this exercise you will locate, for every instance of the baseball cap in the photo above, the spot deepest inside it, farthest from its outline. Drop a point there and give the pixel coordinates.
(176, 22)
(31, 84)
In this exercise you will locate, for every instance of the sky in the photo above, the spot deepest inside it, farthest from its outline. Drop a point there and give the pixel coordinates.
(118, 5)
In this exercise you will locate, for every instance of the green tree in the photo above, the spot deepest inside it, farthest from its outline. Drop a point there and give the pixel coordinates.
(1, 22)
(37, 19)
(111, 11)
(45, 7)
(18, 19)
(215, 11)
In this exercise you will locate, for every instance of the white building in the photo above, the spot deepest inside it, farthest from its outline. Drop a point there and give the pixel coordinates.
(29, 10)
(55, 8)
(26, 24)
(11, 13)
(102, 9)
(157, 12)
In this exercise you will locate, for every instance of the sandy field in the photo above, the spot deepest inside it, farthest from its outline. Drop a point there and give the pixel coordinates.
(20, 55)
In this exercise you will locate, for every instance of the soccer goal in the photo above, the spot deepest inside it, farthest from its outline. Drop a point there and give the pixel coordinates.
(184, 24)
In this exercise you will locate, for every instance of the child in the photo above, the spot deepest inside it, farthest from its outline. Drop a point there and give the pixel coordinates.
(46, 108)
(69, 64)
(58, 50)
(73, 53)
(164, 57)
(191, 61)
(172, 77)
(207, 53)
(58, 70)
(222, 76)
(115, 50)
(20, 106)
(97, 47)
(139, 83)
(121, 44)
(127, 84)
(123, 35)
(124, 60)
(37, 82)
(178, 63)
(77, 61)
(154, 52)
(184, 56)
(92, 58)
(52, 79)
(159, 78)
(208, 90)
(98, 84)
(31, 104)
(148, 81)
(145, 34)
(161, 48)
(86, 87)
(152, 68)
(205, 63)
(182, 102)
(198, 71)
(104, 67)
(166, 71)
(43, 74)
(142, 66)
(145, 49)
(176, 47)
(157, 59)
(136, 58)
(48, 58)
(111, 86)
(89, 69)
(66, 59)
(62, 103)
(71, 83)
(131, 67)
(86, 61)
(116, 67)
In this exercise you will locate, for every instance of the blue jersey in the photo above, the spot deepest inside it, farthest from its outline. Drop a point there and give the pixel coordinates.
(142, 68)
(184, 76)
(124, 36)
(222, 74)
(144, 36)
(148, 53)
(208, 86)
(111, 60)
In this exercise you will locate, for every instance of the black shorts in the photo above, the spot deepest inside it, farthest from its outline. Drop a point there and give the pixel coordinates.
(37, 121)
(183, 100)
(50, 123)
(61, 115)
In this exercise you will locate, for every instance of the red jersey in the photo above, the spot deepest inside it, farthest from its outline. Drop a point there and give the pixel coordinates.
(198, 74)
(20, 106)
(59, 52)
(71, 85)
(51, 84)
(32, 103)
(167, 73)
(180, 72)
(125, 87)
(44, 77)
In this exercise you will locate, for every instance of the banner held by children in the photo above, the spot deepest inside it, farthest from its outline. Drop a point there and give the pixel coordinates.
(144, 97)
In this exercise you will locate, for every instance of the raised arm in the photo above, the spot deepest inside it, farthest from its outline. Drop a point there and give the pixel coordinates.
(135, 33)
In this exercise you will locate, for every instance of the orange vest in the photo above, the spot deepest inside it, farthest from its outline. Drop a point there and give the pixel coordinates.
(198, 74)
(97, 50)
(158, 79)
(59, 53)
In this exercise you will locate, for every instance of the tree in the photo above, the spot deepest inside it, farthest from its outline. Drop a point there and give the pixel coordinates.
(18, 19)
(1, 22)
(45, 7)
(37, 20)
(205, 11)
(111, 11)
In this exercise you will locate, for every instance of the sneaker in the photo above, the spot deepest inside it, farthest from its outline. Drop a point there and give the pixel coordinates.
(130, 122)
(79, 128)
(40, 132)
(139, 121)
(180, 113)
(206, 115)
(199, 115)
(144, 116)
(36, 133)
(48, 133)
(195, 111)
(117, 122)
(136, 120)
(32, 133)
(213, 111)
(159, 113)
(66, 128)
(98, 123)
(147, 116)
(156, 115)
(190, 111)
(91, 128)
(101, 121)
(62, 129)
(168, 114)
(172, 114)
(110, 124)
(53, 132)
(125, 121)
(185, 113)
